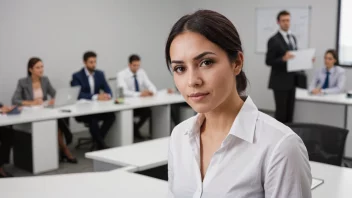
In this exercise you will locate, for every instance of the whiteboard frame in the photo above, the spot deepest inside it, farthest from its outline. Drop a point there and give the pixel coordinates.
(282, 8)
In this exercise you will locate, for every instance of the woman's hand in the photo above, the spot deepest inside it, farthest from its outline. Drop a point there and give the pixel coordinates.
(51, 102)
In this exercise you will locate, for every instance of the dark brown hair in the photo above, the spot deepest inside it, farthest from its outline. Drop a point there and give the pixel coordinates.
(217, 29)
(334, 54)
(88, 55)
(282, 13)
(32, 61)
(133, 57)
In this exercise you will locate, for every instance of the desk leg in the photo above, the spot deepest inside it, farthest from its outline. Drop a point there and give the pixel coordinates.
(45, 146)
(348, 146)
(161, 121)
(121, 132)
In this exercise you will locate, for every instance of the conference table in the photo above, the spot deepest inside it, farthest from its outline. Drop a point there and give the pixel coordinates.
(334, 110)
(151, 154)
(43, 124)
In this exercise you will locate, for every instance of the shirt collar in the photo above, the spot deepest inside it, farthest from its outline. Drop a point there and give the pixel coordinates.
(284, 34)
(243, 126)
(332, 70)
(87, 72)
(130, 73)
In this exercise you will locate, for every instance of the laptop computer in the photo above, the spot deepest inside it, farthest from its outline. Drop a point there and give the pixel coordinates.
(65, 96)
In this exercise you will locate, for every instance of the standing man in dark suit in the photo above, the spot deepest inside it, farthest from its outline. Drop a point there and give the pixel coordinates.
(92, 82)
(281, 81)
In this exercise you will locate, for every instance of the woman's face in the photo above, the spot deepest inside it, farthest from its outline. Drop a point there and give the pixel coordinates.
(37, 69)
(202, 71)
(329, 60)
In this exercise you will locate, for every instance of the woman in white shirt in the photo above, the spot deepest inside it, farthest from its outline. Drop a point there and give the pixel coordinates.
(229, 149)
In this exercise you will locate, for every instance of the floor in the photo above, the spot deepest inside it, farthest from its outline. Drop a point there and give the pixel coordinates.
(84, 165)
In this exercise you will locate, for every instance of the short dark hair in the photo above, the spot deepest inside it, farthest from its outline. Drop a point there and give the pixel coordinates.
(32, 61)
(217, 29)
(282, 13)
(334, 54)
(134, 57)
(88, 55)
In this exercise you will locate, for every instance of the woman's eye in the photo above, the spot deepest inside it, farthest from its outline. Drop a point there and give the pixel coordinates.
(206, 63)
(179, 69)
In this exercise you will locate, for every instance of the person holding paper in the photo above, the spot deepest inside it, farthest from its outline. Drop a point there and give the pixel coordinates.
(330, 79)
(282, 82)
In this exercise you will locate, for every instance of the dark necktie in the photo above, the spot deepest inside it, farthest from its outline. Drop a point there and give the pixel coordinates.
(136, 85)
(290, 45)
(326, 82)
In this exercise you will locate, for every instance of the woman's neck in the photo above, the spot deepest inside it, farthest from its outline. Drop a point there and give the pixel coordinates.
(35, 78)
(220, 120)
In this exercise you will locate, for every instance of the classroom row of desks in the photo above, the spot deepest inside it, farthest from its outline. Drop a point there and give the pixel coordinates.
(124, 182)
(333, 110)
(41, 123)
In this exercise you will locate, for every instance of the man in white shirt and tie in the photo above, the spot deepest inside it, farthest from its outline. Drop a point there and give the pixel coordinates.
(135, 83)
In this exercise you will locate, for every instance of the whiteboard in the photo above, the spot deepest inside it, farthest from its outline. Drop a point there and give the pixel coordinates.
(267, 26)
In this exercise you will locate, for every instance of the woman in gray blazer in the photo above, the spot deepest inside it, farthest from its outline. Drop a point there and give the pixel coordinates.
(34, 90)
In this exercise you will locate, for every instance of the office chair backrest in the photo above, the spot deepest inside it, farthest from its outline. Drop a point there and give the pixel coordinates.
(324, 143)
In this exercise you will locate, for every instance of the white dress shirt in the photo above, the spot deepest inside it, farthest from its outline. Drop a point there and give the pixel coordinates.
(284, 34)
(125, 79)
(260, 157)
(91, 83)
(337, 80)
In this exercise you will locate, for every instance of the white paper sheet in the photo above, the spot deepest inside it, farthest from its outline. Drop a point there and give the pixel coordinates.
(303, 60)
(316, 183)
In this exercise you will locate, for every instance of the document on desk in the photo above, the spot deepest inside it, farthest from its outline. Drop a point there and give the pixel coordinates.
(303, 60)
(316, 182)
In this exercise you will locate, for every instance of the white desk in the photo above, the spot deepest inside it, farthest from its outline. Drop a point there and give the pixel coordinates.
(43, 124)
(151, 154)
(337, 181)
(144, 155)
(333, 110)
(87, 185)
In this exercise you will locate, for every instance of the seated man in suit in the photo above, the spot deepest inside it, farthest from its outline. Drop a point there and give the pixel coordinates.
(6, 140)
(135, 83)
(92, 81)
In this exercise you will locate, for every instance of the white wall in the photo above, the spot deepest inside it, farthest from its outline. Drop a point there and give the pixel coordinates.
(242, 14)
(60, 32)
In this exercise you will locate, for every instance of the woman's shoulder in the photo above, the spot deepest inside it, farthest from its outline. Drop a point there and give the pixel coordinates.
(272, 131)
(184, 127)
(23, 81)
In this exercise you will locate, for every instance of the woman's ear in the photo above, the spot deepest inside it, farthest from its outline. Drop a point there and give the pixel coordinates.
(238, 64)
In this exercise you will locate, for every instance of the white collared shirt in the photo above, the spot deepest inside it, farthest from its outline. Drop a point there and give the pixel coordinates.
(260, 157)
(284, 34)
(125, 79)
(91, 83)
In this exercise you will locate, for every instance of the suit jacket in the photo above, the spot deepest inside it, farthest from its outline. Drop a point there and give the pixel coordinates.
(24, 90)
(280, 79)
(80, 79)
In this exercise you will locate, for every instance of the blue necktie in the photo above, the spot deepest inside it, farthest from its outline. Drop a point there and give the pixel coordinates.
(326, 82)
(136, 85)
